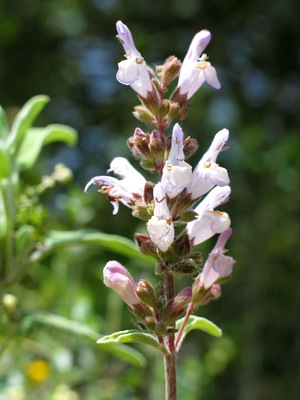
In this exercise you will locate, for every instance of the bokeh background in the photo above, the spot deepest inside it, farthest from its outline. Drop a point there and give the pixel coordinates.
(67, 50)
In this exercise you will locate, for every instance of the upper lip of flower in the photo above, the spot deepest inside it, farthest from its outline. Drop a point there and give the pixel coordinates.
(132, 71)
(177, 173)
(195, 68)
(160, 225)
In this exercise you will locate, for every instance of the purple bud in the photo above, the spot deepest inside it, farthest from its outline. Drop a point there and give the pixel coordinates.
(119, 279)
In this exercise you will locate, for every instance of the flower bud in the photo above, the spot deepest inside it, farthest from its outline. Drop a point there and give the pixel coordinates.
(170, 70)
(150, 323)
(145, 245)
(138, 143)
(143, 114)
(164, 108)
(182, 245)
(119, 279)
(174, 110)
(146, 293)
(176, 306)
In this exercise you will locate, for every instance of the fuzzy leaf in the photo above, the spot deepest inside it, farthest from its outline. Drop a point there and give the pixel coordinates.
(36, 138)
(24, 120)
(198, 323)
(30, 321)
(115, 243)
(130, 336)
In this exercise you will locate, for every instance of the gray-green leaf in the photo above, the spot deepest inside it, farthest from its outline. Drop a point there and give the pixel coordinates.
(198, 323)
(30, 321)
(129, 336)
(115, 243)
(36, 138)
(24, 120)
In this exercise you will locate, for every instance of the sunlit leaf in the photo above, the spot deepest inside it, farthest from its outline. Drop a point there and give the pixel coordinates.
(198, 323)
(4, 128)
(24, 120)
(130, 336)
(114, 243)
(3, 217)
(36, 138)
(32, 321)
(4, 163)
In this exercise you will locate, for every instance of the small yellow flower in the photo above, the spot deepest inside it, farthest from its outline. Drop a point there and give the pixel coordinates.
(38, 371)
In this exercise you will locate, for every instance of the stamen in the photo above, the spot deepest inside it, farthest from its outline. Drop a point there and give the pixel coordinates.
(120, 40)
(139, 60)
(161, 200)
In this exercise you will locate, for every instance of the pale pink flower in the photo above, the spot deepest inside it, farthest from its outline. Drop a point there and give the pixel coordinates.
(177, 173)
(132, 71)
(208, 173)
(217, 265)
(195, 68)
(209, 222)
(126, 190)
(160, 225)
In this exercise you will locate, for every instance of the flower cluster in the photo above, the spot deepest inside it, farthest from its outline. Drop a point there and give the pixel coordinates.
(183, 200)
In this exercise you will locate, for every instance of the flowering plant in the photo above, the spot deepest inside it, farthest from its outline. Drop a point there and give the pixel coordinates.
(177, 215)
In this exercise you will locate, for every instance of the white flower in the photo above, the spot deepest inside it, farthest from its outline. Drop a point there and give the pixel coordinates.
(209, 222)
(177, 173)
(217, 265)
(132, 71)
(196, 70)
(207, 173)
(160, 225)
(127, 190)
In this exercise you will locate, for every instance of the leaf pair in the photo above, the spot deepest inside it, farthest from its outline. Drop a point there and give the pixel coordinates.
(193, 323)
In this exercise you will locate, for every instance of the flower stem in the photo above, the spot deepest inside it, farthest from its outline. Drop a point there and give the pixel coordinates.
(170, 357)
(170, 376)
(179, 333)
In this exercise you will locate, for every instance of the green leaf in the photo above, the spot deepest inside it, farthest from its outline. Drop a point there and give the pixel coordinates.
(33, 320)
(36, 138)
(129, 336)
(4, 128)
(115, 243)
(198, 323)
(23, 236)
(3, 220)
(24, 120)
(4, 163)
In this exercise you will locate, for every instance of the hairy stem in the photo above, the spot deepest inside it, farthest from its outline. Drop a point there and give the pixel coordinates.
(170, 357)
(179, 333)
(170, 376)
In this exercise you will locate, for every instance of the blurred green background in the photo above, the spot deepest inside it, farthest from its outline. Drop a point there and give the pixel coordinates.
(67, 49)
